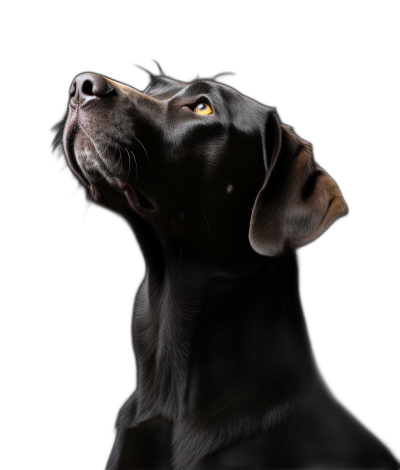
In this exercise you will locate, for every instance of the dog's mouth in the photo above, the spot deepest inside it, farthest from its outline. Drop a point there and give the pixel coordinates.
(140, 202)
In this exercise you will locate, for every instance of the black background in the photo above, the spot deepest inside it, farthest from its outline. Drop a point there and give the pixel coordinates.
(327, 74)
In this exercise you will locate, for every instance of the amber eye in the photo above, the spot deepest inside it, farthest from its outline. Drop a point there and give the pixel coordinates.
(203, 109)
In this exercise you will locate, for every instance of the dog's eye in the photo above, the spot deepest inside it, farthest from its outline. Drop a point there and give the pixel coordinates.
(203, 109)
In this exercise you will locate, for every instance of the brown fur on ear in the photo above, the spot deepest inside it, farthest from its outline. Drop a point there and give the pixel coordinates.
(298, 200)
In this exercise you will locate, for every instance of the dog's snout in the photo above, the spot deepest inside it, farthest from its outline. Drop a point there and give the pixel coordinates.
(88, 85)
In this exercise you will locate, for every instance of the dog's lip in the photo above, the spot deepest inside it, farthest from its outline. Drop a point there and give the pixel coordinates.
(134, 197)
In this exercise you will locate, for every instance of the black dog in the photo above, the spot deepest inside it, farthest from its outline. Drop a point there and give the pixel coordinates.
(219, 193)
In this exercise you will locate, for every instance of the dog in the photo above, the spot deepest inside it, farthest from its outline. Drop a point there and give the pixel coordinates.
(219, 193)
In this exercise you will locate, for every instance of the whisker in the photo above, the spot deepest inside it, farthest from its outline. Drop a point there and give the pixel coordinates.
(59, 134)
(119, 164)
(105, 170)
(60, 124)
(148, 159)
(129, 165)
(224, 73)
(176, 268)
(208, 225)
(99, 153)
(106, 150)
(145, 70)
(59, 143)
(129, 161)
(180, 258)
(119, 159)
(161, 71)
(115, 151)
(135, 165)
(128, 137)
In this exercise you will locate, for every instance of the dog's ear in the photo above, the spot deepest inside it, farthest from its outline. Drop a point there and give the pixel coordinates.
(298, 200)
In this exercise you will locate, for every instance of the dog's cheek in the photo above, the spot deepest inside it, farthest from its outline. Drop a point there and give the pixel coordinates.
(171, 221)
(178, 221)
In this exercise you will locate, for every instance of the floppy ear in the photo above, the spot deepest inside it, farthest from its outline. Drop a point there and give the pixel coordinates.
(298, 200)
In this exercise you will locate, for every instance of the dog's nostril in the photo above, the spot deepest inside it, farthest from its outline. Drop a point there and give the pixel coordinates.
(87, 88)
(89, 84)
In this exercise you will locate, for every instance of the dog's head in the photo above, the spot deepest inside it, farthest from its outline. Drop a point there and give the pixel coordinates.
(200, 162)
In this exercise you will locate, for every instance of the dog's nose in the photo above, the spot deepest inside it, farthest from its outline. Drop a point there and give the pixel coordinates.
(89, 85)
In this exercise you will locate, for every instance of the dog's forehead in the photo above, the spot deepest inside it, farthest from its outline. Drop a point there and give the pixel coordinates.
(163, 87)
(166, 88)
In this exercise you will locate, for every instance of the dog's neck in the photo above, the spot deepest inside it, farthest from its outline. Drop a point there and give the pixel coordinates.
(207, 341)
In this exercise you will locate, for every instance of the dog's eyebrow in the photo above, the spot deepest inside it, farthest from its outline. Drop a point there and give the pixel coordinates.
(163, 87)
(198, 87)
